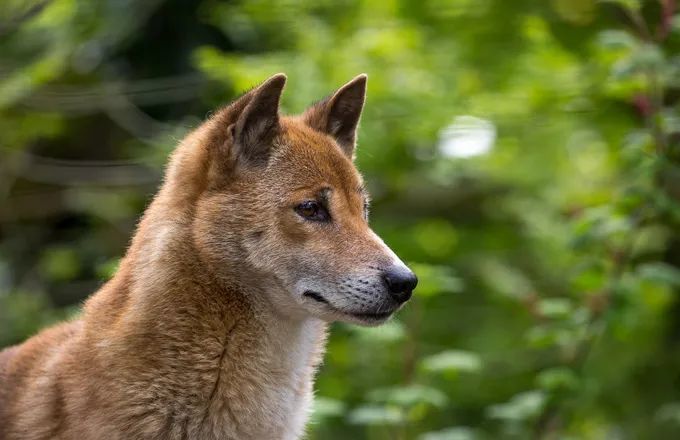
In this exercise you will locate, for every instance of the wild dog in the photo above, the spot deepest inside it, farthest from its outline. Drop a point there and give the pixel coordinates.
(215, 322)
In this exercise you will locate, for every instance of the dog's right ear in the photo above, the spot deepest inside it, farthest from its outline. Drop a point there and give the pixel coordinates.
(258, 123)
(339, 114)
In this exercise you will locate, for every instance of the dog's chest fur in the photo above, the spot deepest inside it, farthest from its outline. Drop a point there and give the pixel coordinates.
(270, 395)
(205, 390)
(181, 361)
(209, 366)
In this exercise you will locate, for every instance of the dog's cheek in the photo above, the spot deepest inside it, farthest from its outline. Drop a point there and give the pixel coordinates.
(292, 230)
(253, 240)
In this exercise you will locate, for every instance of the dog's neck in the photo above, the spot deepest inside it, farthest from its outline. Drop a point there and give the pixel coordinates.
(212, 354)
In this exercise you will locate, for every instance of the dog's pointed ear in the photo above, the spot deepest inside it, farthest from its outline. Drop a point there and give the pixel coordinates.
(258, 122)
(339, 114)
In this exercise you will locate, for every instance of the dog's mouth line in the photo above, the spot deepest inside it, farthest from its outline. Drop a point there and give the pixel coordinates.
(320, 299)
(316, 297)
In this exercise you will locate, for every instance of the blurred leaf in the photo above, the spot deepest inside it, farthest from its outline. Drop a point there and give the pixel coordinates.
(410, 395)
(633, 5)
(576, 11)
(669, 413)
(434, 280)
(376, 415)
(107, 269)
(557, 379)
(506, 279)
(60, 263)
(325, 408)
(675, 23)
(23, 314)
(660, 272)
(651, 239)
(437, 237)
(390, 332)
(543, 335)
(648, 57)
(454, 433)
(453, 361)
(590, 278)
(523, 406)
(555, 308)
(613, 39)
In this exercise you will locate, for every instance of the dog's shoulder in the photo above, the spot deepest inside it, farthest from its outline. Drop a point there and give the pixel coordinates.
(21, 363)
(29, 373)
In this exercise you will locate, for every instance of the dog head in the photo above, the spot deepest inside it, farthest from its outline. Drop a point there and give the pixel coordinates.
(284, 198)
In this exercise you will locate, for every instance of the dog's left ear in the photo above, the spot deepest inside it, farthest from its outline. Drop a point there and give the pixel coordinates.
(258, 123)
(338, 115)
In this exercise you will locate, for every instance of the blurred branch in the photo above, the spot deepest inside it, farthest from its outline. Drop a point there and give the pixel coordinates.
(14, 23)
(639, 23)
(78, 172)
(132, 119)
(667, 11)
(93, 99)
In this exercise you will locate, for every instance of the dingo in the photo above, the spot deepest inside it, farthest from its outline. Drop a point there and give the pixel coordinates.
(215, 322)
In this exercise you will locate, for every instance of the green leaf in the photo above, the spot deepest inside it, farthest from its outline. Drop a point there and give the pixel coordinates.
(523, 406)
(543, 335)
(325, 407)
(632, 5)
(651, 239)
(615, 39)
(576, 11)
(436, 237)
(555, 308)
(648, 56)
(434, 279)
(376, 415)
(453, 433)
(669, 413)
(410, 395)
(60, 263)
(660, 272)
(556, 379)
(107, 269)
(506, 279)
(388, 333)
(675, 23)
(453, 361)
(23, 314)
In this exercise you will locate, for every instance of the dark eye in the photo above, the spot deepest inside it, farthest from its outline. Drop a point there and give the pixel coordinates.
(312, 210)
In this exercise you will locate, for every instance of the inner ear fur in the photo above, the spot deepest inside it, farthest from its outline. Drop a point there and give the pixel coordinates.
(257, 124)
(339, 115)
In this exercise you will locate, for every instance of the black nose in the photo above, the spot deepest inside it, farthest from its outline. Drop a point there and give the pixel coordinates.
(400, 282)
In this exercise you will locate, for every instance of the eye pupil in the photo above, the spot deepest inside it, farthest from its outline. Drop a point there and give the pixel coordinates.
(309, 209)
(312, 211)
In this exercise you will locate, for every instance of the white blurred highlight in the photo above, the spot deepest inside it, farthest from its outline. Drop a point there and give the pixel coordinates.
(467, 136)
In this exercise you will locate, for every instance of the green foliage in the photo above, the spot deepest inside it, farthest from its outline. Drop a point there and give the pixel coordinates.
(452, 361)
(523, 157)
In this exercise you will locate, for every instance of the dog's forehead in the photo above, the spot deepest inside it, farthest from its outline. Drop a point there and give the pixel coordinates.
(313, 158)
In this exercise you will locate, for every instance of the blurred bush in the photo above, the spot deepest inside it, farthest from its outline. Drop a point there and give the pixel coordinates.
(523, 156)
